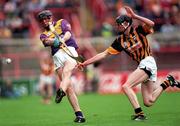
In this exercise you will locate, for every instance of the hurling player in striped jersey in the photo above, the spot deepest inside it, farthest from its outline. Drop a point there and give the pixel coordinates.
(132, 40)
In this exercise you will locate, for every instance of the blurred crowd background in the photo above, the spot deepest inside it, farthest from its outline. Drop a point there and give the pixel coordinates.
(93, 25)
(96, 17)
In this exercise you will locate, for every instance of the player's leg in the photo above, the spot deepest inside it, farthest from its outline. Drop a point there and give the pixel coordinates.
(65, 80)
(152, 90)
(135, 78)
(49, 93)
(49, 88)
(59, 92)
(75, 105)
(42, 88)
(146, 70)
(66, 75)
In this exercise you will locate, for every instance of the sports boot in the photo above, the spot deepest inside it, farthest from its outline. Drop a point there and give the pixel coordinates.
(172, 81)
(59, 95)
(139, 117)
(79, 119)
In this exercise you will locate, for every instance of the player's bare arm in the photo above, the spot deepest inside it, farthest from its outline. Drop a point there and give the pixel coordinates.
(67, 36)
(96, 58)
(131, 13)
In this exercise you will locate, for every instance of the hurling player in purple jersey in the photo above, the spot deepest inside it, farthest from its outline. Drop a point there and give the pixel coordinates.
(64, 64)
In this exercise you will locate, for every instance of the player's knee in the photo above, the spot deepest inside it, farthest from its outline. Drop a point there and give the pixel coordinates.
(67, 72)
(69, 90)
(148, 103)
(125, 87)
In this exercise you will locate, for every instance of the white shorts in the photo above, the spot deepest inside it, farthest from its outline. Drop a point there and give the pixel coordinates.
(47, 79)
(149, 64)
(60, 57)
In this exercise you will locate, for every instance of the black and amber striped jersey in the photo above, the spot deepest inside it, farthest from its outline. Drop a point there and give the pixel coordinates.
(135, 44)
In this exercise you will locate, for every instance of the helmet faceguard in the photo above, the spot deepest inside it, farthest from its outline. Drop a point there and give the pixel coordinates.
(123, 18)
(44, 14)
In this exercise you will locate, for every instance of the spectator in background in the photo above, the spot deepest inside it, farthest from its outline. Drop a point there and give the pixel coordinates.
(96, 31)
(157, 16)
(35, 5)
(54, 4)
(5, 32)
(8, 91)
(175, 14)
(157, 10)
(16, 26)
(107, 28)
(47, 78)
(167, 28)
(17, 18)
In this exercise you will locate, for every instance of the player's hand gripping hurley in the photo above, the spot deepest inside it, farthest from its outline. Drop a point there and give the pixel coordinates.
(79, 59)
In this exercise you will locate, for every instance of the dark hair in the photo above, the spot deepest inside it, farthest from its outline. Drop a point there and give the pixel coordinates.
(44, 14)
(123, 18)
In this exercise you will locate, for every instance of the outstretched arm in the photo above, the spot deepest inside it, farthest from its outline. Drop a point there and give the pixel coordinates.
(131, 13)
(96, 58)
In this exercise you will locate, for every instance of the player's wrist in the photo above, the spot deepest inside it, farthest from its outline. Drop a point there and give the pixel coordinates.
(84, 64)
(56, 42)
(134, 16)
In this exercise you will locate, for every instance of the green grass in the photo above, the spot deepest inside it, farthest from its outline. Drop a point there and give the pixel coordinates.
(100, 110)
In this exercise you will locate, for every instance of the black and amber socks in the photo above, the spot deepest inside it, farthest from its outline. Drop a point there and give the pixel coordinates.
(138, 111)
(165, 84)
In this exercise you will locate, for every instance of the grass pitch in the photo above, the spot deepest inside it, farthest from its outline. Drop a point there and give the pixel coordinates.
(100, 110)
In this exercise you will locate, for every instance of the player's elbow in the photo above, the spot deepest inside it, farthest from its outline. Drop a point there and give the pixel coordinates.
(150, 24)
(106, 53)
(45, 44)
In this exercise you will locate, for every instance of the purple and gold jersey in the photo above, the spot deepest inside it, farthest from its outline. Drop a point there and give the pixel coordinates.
(135, 45)
(61, 27)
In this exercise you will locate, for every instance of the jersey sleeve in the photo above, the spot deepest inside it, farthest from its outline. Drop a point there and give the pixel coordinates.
(65, 26)
(115, 47)
(144, 29)
(42, 38)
